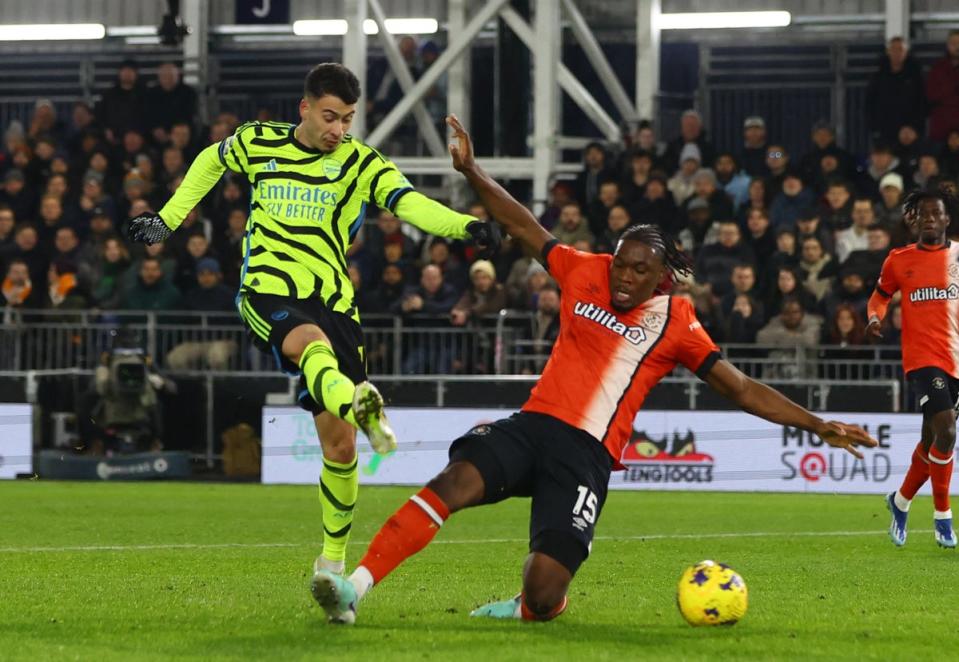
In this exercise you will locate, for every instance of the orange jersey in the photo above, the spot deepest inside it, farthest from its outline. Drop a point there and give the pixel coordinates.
(605, 361)
(929, 281)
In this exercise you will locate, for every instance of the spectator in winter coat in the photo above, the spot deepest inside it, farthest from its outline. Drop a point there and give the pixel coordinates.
(942, 91)
(895, 96)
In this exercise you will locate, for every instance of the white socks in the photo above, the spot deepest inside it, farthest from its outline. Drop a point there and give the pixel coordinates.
(362, 581)
(902, 503)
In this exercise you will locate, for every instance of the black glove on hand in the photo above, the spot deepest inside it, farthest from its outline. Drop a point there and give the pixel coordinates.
(148, 228)
(486, 237)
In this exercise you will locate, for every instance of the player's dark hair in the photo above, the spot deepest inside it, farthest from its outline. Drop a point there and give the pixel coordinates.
(945, 194)
(334, 79)
(676, 261)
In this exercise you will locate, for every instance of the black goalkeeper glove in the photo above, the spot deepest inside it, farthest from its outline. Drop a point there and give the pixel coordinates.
(148, 228)
(486, 237)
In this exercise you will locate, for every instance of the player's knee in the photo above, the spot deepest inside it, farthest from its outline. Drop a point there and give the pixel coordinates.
(340, 445)
(297, 340)
(459, 485)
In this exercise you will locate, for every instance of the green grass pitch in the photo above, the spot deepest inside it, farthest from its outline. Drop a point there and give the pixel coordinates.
(128, 571)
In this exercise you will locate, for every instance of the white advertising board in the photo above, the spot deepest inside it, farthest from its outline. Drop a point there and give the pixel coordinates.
(16, 440)
(669, 450)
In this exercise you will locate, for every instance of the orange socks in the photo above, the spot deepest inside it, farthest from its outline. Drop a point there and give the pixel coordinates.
(408, 531)
(940, 472)
(528, 615)
(917, 475)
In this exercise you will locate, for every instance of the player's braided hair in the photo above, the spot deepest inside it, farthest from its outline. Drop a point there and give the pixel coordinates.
(676, 261)
(944, 193)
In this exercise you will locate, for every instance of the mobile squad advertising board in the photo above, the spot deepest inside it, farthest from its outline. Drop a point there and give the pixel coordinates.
(669, 450)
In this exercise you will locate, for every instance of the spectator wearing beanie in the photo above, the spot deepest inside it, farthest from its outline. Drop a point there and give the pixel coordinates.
(484, 296)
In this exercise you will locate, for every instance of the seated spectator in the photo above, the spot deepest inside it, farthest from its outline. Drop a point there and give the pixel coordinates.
(927, 170)
(753, 156)
(808, 224)
(656, 206)
(197, 248)
(892, 326)
(699, 228)
(543, 329)
(598, 211)
(572, 225)
(644, 140)
(51, 218)
(882, 161)
(208, 294)
(454, 271)
(634, 183)
(715, 262)
(855, 237)
(159, 251)
(17, 289)
(29, 251)
(869, 262)
(93, 199)
(691, 133)
(837, 212)
(743, 281)
(173, 166)
(908, 147)
(44, 121)
(595, 172)
(890, 203)
(824, 144)
(846, 327)
(851, 291)
(616, 223)
(363, 297)
(681, 183)
(705, 188)
(777, 162)
(759, 236)
(194, 223)
(788, 285)
(64, 291)
(560, 195)
(389, 293)
(743, 321)
(516, 295)
(817, 267)
(537, 278)
(758, 198)
(793, 327)
(17, 196)
(949, 157)
(829, 171)
(107, 279)
(433, 296)
(7, 245)
(483, 297)
(229, 246)
(131, 145)
(151, 290)
(791, 200)
(733, 182)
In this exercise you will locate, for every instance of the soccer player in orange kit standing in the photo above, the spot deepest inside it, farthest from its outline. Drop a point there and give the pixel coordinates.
(927, 274)
(619, 335)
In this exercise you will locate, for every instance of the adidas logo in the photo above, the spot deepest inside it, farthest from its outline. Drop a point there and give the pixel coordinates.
(271, 166)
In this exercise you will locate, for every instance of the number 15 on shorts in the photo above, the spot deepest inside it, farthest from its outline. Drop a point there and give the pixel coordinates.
(585, 506)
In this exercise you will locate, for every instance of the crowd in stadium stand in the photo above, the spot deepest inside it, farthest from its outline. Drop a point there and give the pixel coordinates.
(787, 246)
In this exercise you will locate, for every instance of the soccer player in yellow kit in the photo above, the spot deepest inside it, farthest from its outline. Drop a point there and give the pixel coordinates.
(311, 183)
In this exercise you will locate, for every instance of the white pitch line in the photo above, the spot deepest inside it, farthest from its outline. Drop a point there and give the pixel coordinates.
(268, 545)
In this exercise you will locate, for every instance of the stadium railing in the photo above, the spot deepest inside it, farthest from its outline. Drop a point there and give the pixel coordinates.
(395, 345)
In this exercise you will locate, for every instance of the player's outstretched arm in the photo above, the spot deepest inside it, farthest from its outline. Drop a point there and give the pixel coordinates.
(205, 171)
(760, 400)
(516, 219)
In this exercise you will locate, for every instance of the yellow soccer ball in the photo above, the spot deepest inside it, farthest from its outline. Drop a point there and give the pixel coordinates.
(711, 593)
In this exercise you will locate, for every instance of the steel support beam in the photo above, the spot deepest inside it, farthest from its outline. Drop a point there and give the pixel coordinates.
(897, 19)
(429, 77)
(458, 92)
(195, 14)
(546, 60)
(594, 53)
(403, 76)
(647, 56)
(354, 56)
(570, 84)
